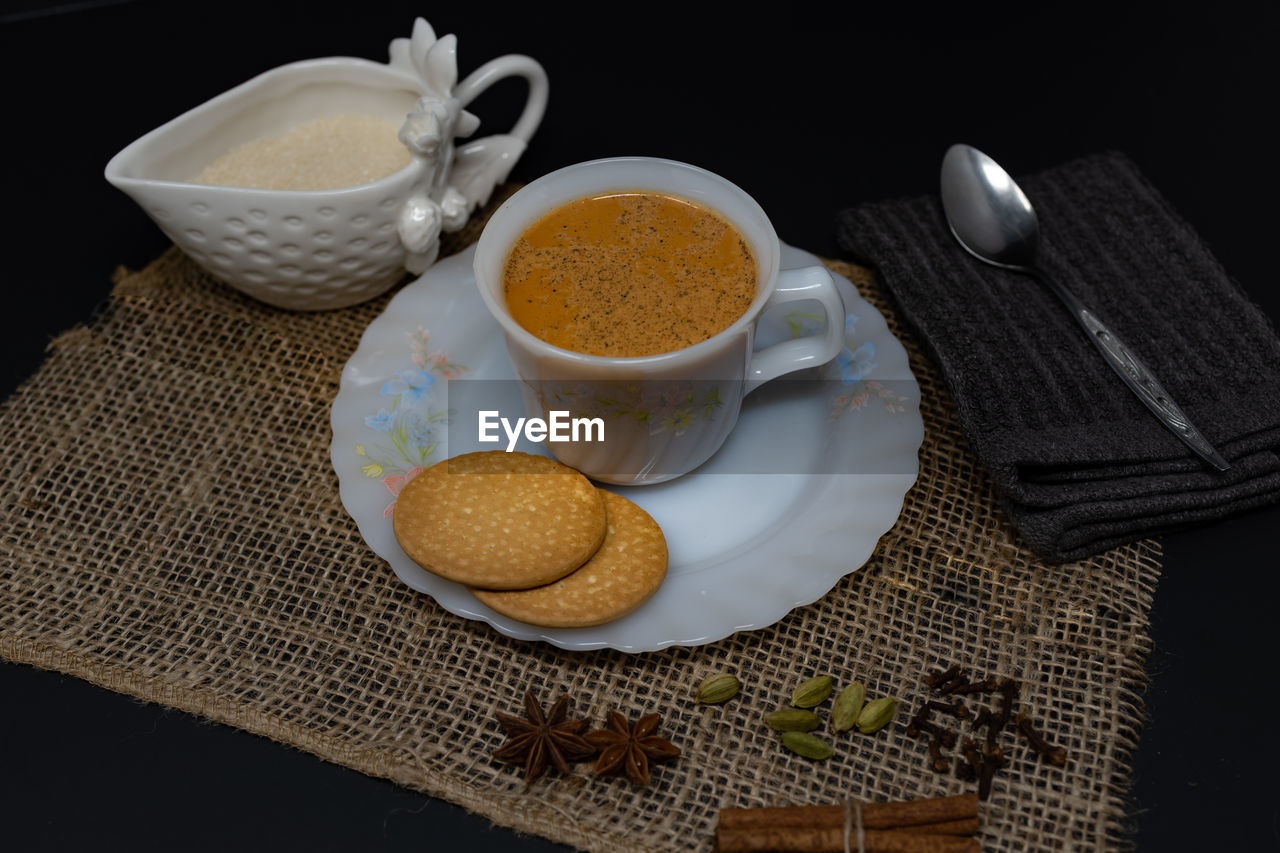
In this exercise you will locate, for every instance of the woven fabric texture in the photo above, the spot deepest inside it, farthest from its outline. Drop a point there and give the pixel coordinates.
(171, 529)
(1079, 461)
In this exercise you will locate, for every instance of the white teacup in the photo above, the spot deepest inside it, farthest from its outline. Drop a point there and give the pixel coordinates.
(661, 415)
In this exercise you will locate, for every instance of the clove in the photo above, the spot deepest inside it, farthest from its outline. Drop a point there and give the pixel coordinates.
(944, 736)
(919, 718)
(941, 764)
(991, 761)
(993, 723)
(956, 709)
(973, 758)
(986, 685)
(941, 677)
(971, 754)
(1055, 755)
(1008, 689)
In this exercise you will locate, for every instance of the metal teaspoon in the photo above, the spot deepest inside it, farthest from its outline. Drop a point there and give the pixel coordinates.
(992, 219)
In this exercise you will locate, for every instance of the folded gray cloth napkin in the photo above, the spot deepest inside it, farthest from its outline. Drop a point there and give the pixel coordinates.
(1080, 464)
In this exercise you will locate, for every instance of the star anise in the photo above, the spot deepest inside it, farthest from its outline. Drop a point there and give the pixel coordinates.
(543, 739)
(630, 749)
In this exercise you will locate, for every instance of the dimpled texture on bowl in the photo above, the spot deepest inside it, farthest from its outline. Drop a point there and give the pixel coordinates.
(303, 251)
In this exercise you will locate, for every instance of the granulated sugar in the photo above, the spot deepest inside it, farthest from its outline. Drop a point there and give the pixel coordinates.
(323, 153)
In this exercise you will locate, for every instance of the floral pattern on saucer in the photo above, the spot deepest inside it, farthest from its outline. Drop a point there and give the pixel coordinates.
(408, 428)
(855, 363)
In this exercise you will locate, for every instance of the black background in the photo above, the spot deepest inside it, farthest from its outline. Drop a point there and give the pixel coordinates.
(809, 112)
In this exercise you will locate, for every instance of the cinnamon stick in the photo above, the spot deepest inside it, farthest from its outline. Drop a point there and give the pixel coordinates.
(830, 839)
(874, 815)
(931, 825)
(959, 826)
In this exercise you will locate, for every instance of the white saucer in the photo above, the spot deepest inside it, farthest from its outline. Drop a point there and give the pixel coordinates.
(812, 476)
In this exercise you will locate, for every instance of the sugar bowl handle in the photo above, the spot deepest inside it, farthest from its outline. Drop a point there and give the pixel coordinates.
(512, 65)
(458, 180)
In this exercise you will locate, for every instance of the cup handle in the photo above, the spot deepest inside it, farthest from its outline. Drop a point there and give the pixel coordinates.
(512, 65)
(794, 285)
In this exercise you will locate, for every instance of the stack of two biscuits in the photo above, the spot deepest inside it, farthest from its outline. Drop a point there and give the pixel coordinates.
(531, 538)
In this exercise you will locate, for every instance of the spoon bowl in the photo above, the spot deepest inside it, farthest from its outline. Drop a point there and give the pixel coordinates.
(993, 220)
(988, 213)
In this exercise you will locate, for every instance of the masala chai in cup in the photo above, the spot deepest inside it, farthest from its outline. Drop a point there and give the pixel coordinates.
(628, 291)
(628, 274)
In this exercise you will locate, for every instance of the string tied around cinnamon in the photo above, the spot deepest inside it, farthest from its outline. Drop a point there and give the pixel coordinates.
(853, 829)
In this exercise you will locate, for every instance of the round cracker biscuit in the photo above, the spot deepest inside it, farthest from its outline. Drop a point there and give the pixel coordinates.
(624, 573)
(499, 520)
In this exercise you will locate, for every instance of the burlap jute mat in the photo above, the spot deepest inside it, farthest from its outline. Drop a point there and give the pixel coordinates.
(172, 530)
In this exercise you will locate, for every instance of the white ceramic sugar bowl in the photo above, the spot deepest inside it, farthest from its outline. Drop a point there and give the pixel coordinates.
(321, 249)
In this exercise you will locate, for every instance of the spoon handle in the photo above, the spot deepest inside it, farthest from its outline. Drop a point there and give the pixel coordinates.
(1136, 375)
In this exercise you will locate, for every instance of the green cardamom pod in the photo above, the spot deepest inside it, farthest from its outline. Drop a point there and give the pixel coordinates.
(806, 745)
(717, 688)
(844, 713)
(813, 692)
(793, 720)
(876, 714)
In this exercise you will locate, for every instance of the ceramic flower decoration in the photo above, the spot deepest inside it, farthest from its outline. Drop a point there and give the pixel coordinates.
(440, 203)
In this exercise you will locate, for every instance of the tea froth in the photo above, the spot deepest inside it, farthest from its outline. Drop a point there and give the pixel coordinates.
(629, 274)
